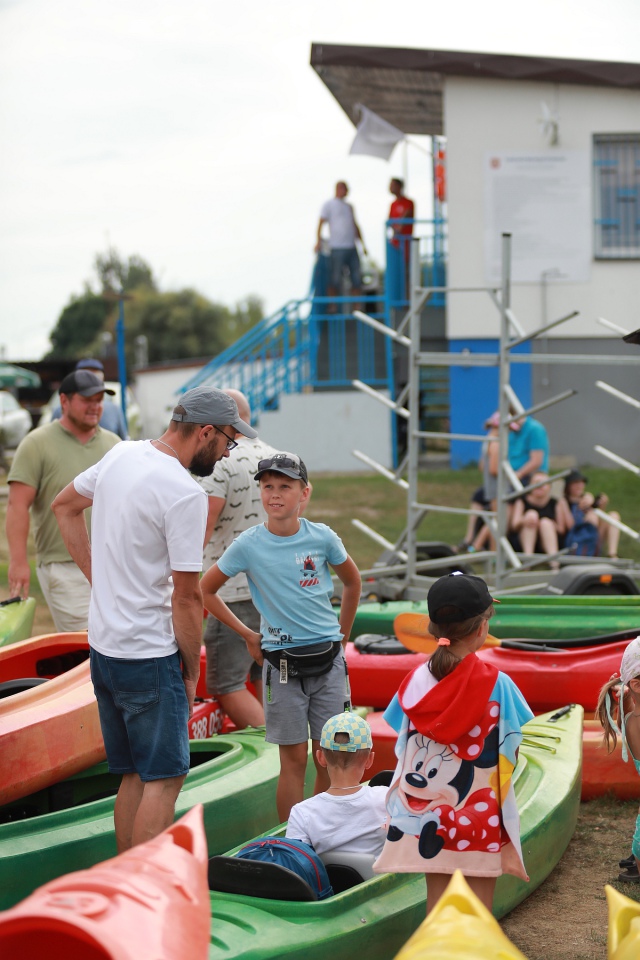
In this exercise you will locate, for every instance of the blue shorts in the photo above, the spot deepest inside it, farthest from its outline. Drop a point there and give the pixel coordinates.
(144, 715)
(343, 257)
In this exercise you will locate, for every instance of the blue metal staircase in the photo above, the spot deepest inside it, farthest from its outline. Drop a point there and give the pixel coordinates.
(316, 343)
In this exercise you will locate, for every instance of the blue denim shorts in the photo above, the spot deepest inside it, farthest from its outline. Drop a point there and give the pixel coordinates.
(144, 715)
(347, 257)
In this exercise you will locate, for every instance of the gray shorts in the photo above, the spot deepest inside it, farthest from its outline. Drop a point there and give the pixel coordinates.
(303, 704)
(228, 660)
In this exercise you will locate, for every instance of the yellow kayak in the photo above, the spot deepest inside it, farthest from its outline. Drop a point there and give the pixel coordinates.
(624, 926)
(456, 927)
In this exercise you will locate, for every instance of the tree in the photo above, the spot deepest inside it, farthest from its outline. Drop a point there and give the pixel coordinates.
(177, 324)
(118, 276)
(78, 326)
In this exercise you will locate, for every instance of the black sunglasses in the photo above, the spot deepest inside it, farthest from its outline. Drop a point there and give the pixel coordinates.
(231, 444)
(275, 462)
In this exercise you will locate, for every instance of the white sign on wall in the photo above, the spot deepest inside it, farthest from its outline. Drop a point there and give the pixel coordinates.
(544, 201)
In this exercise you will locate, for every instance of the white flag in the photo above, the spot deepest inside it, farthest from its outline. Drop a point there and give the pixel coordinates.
(375, 136)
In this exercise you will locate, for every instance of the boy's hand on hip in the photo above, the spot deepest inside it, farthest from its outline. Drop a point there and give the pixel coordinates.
(254, 646)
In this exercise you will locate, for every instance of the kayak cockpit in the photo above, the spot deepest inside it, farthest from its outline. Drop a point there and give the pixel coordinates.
(272, 881)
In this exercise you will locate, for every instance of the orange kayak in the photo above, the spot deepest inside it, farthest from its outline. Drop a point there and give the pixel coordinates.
(51, 730)
(48, 733)
(150, 902)
(602, 772)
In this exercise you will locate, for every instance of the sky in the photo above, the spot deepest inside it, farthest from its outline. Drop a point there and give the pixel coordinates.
(196, 135)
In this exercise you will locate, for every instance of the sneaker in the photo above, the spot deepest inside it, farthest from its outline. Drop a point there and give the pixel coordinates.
(630, 875)
(629, 861)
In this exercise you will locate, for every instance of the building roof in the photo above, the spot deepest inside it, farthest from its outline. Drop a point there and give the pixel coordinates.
(404, 86)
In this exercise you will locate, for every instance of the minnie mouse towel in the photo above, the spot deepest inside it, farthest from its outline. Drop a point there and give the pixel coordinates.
(451, 804)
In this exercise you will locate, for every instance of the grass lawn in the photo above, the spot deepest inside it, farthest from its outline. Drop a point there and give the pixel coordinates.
(339, 498)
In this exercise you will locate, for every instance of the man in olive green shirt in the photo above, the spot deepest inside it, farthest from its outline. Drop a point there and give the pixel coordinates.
(48, 459)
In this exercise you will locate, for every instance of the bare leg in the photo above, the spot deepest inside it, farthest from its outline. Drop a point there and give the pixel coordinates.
(243, 708)
(471, 523)
(483, 887)
(437, 883)
(157, 808)
(322, 774)
(126, 808)
(609, 533)
(529, 531)
(548, 535)
(293, 766)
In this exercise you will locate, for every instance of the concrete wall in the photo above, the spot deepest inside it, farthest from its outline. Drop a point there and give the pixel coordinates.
(323, 428)
(484, 116)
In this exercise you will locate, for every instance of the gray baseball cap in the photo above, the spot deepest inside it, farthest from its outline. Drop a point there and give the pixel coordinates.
(209, 405)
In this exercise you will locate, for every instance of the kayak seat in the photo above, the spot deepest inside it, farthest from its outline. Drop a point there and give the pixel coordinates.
(379, 643)
(9, 687)
(257, 878)
(347, 870)
(382, 778)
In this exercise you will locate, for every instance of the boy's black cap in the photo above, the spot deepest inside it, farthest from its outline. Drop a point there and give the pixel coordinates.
(467, 594)
(288, 463)
(85, 383)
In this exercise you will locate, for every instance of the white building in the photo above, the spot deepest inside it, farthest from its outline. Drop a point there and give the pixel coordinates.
(549, 151)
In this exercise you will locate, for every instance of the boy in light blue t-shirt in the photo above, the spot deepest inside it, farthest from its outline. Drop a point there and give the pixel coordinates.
(301, 642)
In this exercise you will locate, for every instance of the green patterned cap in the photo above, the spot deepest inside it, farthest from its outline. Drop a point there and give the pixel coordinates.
(358, 730)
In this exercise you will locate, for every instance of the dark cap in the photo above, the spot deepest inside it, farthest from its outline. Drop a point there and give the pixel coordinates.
(574, 476)
(287, 463)
(468, 595)
(210, 405)
(88, 363)
(85, 383)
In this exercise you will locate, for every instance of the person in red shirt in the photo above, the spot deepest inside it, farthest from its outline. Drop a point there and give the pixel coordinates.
(401, 209)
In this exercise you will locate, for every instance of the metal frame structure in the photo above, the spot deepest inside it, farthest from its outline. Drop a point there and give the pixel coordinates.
(510, 573)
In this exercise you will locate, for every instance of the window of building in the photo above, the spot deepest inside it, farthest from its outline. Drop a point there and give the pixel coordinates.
(617, 194)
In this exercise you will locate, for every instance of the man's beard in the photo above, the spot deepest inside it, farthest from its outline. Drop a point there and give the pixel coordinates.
(204, 461)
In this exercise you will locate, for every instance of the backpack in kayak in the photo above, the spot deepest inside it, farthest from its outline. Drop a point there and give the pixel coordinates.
(294, 855)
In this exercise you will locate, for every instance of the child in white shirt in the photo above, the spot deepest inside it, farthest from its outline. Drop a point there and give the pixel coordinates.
(349, 817)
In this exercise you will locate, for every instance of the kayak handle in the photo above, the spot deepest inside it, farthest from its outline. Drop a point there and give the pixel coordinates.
(561, 712)
(5, 603)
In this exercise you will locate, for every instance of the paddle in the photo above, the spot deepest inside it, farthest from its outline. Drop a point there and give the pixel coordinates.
(412, 630)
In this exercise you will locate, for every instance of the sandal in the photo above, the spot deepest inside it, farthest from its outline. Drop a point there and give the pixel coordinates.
(630, 875)
(627, 862)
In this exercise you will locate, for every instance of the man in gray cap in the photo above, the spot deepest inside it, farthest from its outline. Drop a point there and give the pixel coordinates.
(145, 617)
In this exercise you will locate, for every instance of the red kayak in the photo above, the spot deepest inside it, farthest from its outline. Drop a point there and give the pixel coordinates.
(548, 678)
(602, 773)
(49, 725)
(151, 902)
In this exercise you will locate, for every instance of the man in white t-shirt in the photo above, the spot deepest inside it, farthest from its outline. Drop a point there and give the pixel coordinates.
(145, 615)
(235, 505)
(343, 233)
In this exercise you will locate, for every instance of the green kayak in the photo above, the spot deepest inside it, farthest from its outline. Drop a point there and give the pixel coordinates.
(69, 826)
(530, 617)
(16, 619)
(374, 918)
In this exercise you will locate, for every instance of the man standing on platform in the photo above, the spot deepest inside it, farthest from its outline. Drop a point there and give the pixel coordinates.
(343, 233)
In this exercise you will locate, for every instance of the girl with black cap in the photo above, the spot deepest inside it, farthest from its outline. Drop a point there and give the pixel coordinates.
(451, 804)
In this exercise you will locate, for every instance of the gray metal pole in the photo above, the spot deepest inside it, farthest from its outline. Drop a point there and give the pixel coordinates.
(413, 443)
(503, 406)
